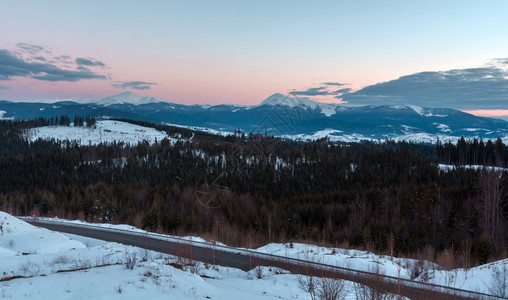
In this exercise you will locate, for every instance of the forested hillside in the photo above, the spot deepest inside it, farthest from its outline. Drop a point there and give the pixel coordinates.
(249, 189)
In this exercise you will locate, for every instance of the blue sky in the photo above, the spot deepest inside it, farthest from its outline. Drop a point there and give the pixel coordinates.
(241, 51)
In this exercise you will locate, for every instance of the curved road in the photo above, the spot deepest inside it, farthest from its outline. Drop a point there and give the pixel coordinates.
(247, 260)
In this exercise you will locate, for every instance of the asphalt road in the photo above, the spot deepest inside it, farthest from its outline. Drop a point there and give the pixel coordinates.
(246, 261)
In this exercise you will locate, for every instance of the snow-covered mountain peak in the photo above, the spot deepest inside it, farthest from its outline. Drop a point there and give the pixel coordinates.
(283, 100)
(128, 98)
(422, 111)
(295, 102)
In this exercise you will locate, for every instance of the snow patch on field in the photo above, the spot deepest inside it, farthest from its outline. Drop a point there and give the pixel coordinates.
(442, 127)
(337, 136)
(444, 167)
(203, 129)
(419, 110)
(2, 113)
(331, 133)
(106, 131)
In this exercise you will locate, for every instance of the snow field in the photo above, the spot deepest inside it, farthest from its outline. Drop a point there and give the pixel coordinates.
(106, 131)
(83, 268)
(478, 279)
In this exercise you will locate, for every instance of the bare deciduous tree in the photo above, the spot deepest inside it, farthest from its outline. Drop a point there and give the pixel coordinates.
(324, 288)
(332, 289)
(308, 284)
(492, 205)
(499, 282)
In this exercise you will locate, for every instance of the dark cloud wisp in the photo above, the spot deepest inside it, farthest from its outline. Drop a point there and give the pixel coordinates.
(334, 83)
(343, 91)
(89, 62)
(137, 85)
(322, 91)
(29, 48)
(62, 57)
(318, 91)
(11, 66)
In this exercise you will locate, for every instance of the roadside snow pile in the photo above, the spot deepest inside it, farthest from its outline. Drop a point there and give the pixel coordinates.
(106, 131)
(490, 278)
(351, 259)
(479, 279)
(18, 237)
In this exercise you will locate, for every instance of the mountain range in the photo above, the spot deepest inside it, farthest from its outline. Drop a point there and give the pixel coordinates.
(278, 115)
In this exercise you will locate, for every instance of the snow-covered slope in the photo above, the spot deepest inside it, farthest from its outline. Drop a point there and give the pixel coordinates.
(424, 112)
(105, 131)
(445, 168)
(339, 136)
(2, 113)
(295, 102)
(18, 237)
(478, 279)
(127, 98)
(474, 279)
(123, 98)
(101, 271)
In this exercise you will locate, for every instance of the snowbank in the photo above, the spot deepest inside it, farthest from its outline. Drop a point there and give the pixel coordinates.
(18, 237)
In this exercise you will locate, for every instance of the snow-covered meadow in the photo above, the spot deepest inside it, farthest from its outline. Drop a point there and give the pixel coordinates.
(105, 131)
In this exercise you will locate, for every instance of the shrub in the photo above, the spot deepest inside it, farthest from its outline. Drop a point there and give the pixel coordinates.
(130, 261)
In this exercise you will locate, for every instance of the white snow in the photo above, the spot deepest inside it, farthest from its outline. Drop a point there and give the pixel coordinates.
(106, 131)
(475, 129)
(419, 110)
(407, 128)
(442, 127)
(475, 279)
(127, 98)
(282, 100)
(226, 279)
(19, 237)
(316, 135)
(328, 109)
(423, 137)
(99, 271)
(203, 129)
(444, 167)
(2, 113)
(123, 98)
(335, 135)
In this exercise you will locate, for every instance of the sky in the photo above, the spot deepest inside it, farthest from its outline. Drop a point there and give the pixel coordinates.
(241, 52)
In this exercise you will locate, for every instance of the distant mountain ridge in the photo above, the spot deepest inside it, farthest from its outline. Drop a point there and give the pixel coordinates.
(122, 98)
(278, 115)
